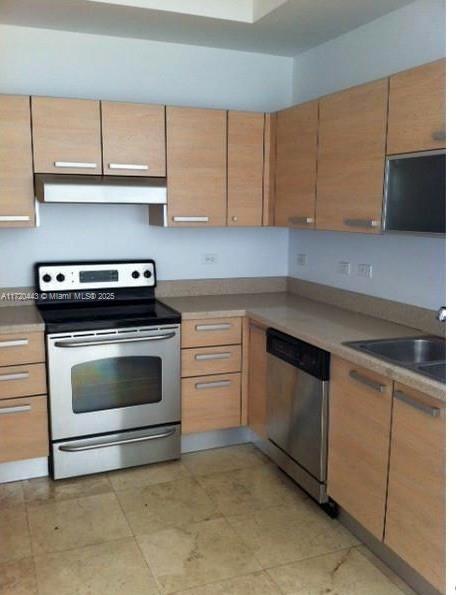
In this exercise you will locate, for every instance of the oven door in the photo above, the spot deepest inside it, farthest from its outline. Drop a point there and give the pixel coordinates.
(110, 381)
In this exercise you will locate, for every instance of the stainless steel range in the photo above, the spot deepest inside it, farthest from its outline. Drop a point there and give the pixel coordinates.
(113, 366)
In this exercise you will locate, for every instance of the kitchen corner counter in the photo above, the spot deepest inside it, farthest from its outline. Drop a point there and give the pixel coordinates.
(19, 319)
(320, 324)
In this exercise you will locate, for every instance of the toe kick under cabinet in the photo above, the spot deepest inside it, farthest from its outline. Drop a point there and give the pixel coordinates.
(23, 399)
(213, 373)
(386, 464)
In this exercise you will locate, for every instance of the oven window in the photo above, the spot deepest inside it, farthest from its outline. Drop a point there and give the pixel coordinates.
(116, 382)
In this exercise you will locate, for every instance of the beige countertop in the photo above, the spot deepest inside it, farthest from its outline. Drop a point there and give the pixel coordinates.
(19, 319)
(321, 324)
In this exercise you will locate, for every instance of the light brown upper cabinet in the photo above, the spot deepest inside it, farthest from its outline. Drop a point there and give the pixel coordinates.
(415, 512)
(245, 168)
(351, 158)
(296, 165)
(196, 150)
(358, 447)
(416, 119)
(270, 132)
(66, 135)
(133, 139)
(16, 170)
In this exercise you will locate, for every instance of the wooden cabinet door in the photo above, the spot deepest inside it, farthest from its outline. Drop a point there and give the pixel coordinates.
(66, 135)
(416, 118)
(358, 448)
(269, 172)
(196, 150)
(245, 168)
(351, 159)
(257, 412)
(415, 513)
(133, 139)
(16, 170)
(296, 165)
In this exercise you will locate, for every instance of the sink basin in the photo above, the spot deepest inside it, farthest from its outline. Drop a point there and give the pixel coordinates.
(437, 371)
(425, 355)
(416, 350)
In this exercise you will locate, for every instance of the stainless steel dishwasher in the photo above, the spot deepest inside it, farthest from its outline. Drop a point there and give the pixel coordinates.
(297, 411)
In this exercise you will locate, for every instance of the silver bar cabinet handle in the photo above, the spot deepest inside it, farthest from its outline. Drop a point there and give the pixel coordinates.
(380, 388)
(76, 164)
(17, 409)
(7, 218)
(215, 384)
(18, 376)
(191, 219)
(300, 220)
(113, 341)
(208, 356)
(135, 166)
(424, 407)
(14, 343)
(365, 223)
(116, 442)
(223, 326)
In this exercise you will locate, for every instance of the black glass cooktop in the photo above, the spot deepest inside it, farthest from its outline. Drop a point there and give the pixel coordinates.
(82, 317)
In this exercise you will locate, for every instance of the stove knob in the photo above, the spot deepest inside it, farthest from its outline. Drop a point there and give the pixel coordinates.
(47, 278)
(60, 277)
(135, 274)
(147, 274)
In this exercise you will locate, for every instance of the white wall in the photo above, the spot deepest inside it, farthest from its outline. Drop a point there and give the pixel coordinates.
(121, 231)
(409, 269)
(49, 62)
(402, 39)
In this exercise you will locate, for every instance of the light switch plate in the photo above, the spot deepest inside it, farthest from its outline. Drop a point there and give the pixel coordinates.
(301, 260)
(209, 258)
(365, 270)
(343, 267)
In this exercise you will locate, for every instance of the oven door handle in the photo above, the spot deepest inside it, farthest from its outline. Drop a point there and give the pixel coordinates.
(117, 442)
(114, 341)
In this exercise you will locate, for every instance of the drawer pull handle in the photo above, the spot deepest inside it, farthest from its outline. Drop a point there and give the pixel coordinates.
(213, 327)
(18, 376)
(215, 384)
(75, 164)
(365, 223)
(14, 343)
(17, 409)
(300, 220)
(191, 219)
(135, 166)
(7, 218)
(424, 407)
(377, 386)
(204, 357)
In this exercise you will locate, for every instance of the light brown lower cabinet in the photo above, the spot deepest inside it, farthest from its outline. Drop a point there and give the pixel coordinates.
(23, 428)
(415, 512)
(257, 406)
(359, 433)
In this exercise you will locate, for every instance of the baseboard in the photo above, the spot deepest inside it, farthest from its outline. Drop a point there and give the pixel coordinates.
(215, 439)
(18, 470)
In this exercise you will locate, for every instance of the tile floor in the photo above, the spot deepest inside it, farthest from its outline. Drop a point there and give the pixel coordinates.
(219, 522)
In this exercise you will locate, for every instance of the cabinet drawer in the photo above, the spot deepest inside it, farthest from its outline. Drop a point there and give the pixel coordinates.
(23, 429)
(211, 331)
(211, 360)
(22, 381)
(211, 403)
(21, 348)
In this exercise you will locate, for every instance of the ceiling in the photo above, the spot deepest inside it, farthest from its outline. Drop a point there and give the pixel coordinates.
(279, 27)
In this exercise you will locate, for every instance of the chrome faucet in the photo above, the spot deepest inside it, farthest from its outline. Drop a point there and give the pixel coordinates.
(441, 314)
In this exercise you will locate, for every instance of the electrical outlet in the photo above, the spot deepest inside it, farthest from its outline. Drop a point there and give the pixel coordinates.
(209, 258)
(301, 260)
(343, 267)
(365, 270)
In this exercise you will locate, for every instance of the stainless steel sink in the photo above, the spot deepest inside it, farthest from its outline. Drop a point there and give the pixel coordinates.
(425, 355)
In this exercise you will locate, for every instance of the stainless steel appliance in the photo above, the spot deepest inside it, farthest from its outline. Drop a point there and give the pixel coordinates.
(297, 410)
(113, 366)
(415, 193)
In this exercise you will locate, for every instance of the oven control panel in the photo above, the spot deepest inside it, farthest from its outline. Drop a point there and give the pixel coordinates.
(105, 275)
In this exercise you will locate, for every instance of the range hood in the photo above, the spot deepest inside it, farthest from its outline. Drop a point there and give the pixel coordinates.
(66, 188)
